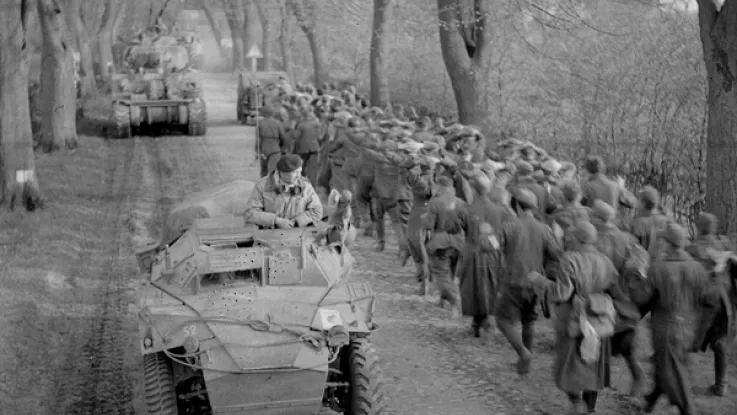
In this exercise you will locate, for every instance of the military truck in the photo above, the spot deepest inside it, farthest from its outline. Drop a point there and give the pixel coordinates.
(157, 89)
(253, 321)
(257, 90)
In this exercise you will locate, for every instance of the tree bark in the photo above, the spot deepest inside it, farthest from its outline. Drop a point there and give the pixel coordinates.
(236, 35)
(216, 32)
(719, 40)
(19, 182)
(58, 98)
(285, 35)
(265, 63)
(464, 35)
(379, 77)
(86, 58)
(248, 26)
(105, 39)
(306, 13)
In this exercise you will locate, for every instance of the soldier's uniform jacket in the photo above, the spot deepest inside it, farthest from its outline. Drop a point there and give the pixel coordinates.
(308, 136)
(388, 182)
(601, 187)
(545, 202)
(446, 218)
(567, 215)
(527, 245)
(646, 227)
(271, 199)
(271, 136)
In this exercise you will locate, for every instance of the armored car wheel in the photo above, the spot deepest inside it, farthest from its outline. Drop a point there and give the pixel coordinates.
(197, 120)
(160, 393)
(366, 391)
(121, 121)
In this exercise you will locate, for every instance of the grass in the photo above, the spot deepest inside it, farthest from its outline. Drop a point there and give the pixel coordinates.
(43, 273)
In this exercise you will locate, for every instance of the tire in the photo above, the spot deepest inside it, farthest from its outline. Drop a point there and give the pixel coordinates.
(197, 120)
(366, 396)
(121, 121)
(160, 393)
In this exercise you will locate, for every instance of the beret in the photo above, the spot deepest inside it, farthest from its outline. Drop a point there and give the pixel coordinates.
(603, 210)
(570, 189)
(524, 168)
(649, 194)
(707, 223)
(550, 166)
(289, 163)
(444, 181)
(584, 232)
(525, 198)
(675, 234)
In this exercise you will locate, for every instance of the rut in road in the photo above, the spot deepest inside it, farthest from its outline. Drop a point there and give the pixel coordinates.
(95, 378)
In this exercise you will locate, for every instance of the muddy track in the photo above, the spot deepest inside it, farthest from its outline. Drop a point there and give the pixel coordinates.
(95, 379)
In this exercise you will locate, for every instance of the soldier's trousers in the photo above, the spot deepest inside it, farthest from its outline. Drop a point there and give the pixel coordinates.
(398, 212)
(442, 264)
(310, 166)
(362, 196)
(268, 163)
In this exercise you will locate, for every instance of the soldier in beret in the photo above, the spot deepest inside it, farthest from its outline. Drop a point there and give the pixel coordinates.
(616, 244)
(526, 244)
(718, 320)
(444, 222)
(650, 221)
(675, 283)
(284, 199)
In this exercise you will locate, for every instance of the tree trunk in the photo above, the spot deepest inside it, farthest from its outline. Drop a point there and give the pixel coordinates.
(216, 32)
(265, 63)
(58, 98)
(86, 59)
(248, 26)
(379, 77)
(285, 35)
(19, 182)
(464, 34)
(105, 39)
(306, 13)
(719, 40)
(236, 35)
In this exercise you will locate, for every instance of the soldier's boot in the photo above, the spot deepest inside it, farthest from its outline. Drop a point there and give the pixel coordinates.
(368, 230)
(638, 374)
(589, 397)
(381, 243)
(515, 339)
(477, 321)
(719, 388)
(528, 335)
(402, 242)
(574, 400)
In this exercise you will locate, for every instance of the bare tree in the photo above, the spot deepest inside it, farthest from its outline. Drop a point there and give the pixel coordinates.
(285, 36)
(379, 77)
(306, 13)
(58, 99)
(19, 181)
(216, 32)
(81, 34)
(465, 31)
(236, 33)
(265, 63)
(105, 36)
(719, 40)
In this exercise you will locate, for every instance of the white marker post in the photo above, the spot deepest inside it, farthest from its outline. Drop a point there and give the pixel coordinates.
(254, 54)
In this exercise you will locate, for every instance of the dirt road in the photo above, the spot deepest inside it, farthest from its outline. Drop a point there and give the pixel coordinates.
(431, 366)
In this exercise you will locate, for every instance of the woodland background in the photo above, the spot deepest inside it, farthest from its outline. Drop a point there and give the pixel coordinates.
(624, 79)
